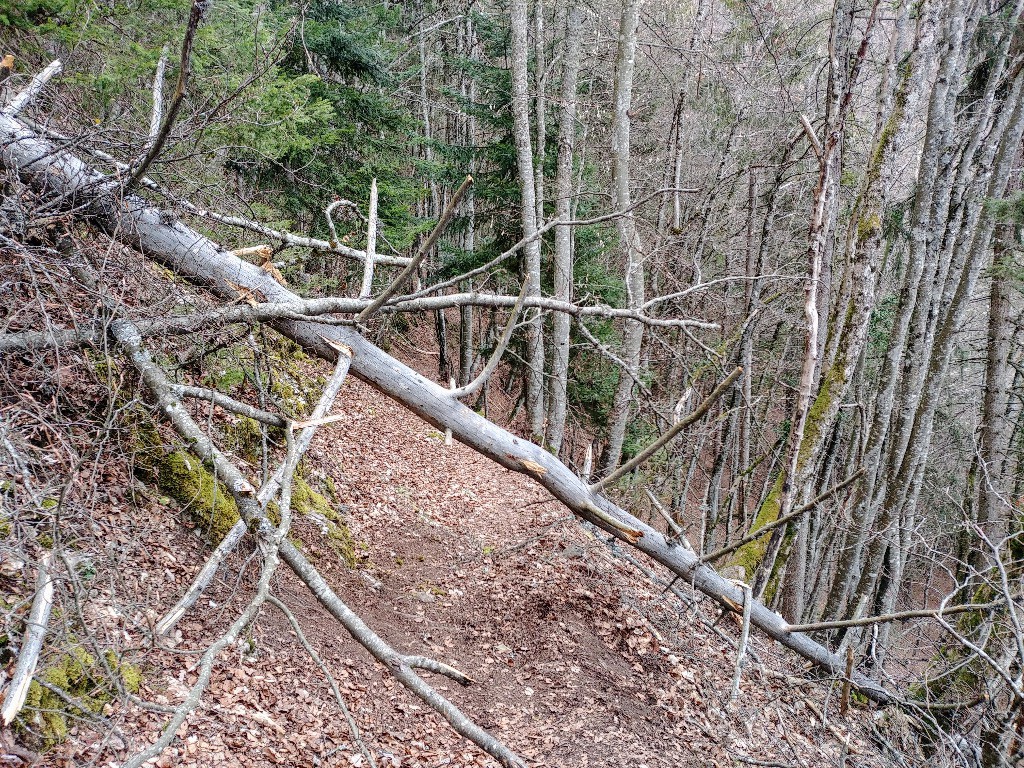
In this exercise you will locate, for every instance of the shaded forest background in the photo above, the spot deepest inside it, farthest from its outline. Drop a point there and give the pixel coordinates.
(825, 195)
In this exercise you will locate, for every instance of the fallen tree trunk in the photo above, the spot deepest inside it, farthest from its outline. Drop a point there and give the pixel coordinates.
(160, 236)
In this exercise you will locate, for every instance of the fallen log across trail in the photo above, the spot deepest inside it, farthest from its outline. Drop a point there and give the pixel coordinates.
(161, 236)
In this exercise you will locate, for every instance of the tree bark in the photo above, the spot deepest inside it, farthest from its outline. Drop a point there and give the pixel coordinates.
(629, 239)
(518, 56)
(563, 257)
(995, 429)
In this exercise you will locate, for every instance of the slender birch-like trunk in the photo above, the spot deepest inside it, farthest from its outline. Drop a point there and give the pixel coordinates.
(633, 331)
(563, 256)
(467, 350)
(960, 236)
(995, 428)
(518, 60)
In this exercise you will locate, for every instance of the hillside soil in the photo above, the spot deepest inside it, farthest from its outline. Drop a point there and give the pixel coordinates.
(578, 658)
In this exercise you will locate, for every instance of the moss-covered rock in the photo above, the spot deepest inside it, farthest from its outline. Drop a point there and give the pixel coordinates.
(243, 438)
(309, 502)
(130, 674)
(147, 448)
(45, 719)
(182, 476)
(306, 501)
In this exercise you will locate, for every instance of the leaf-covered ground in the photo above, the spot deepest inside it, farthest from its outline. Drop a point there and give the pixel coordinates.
(578, 658)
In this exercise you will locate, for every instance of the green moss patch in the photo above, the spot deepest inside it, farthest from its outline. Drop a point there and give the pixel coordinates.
(307, 501)
(84, 680)
(243, 438)
(182, 476)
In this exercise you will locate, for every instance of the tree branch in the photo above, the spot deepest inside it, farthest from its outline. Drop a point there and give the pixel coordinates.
(155, 144)
(671, 433)
(755, 535)
(31, 644)
(924, 613)
(34, 88)
(413, 265)
(499, 350)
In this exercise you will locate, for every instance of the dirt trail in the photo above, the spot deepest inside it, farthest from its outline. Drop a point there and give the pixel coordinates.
(578, 659)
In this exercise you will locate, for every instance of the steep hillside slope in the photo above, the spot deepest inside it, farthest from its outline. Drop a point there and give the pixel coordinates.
(578, 658)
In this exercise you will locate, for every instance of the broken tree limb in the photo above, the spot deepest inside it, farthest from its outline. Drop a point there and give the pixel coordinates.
(678, 534)
(923, 613)
(499, 350)
(232, 405)
(227, 545)
(156, 117)
(400, 665)
(32, 643)
(196, 257)
(425, 248)
(783, 520)
(366, 288)
(289, 239)
(34, 88)
(155, 142)
(670, 434)
(741, 652)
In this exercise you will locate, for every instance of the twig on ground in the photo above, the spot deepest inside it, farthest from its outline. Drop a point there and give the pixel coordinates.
(840, 736)
(352, 726)
(741, 652)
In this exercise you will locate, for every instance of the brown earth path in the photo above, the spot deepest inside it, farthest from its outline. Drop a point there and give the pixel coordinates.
(578, 660)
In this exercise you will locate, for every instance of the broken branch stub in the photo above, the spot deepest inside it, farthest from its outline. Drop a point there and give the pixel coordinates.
(32, 644)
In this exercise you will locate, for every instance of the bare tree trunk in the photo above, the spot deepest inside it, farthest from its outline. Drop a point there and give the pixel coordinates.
(633, 332)
(563, 261)
(955, 236)
(467, 350)
(995, 429)
(829, 153)
(518, 55)
(444, 366)
(540, 79)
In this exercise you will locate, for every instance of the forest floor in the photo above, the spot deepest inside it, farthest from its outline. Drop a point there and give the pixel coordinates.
(578, 658)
